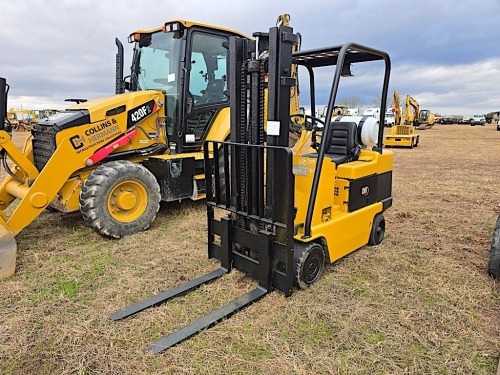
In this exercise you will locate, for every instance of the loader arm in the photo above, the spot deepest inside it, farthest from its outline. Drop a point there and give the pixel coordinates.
(36, 197)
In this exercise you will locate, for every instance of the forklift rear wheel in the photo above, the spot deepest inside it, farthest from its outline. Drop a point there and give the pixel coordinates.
(494, 261)
(378, 230)
(120, 198)
(309, 261)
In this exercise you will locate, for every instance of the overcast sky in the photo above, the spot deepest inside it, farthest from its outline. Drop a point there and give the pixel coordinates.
(445, 53)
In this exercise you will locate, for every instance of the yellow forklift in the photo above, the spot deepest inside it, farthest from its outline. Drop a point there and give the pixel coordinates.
(277, 216)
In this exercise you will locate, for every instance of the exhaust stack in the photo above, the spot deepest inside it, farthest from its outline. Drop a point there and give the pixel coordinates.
(3, 102)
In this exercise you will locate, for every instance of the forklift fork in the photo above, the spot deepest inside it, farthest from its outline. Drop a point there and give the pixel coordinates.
(199, 325)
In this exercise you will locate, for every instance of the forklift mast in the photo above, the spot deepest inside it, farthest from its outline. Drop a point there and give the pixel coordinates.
(257, 186)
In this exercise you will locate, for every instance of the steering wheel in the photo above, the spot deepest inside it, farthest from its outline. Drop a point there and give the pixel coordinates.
(308, 121)
(300, 121)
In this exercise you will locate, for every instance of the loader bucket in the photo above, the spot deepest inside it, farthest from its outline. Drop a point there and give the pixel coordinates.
(8, 251)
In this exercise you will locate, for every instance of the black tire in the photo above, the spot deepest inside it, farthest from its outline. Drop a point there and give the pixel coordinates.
(120, 198)
(309, 262)
(494, 261)
(378, 230)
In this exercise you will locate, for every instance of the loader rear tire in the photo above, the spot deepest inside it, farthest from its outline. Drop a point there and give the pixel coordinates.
(120, 198)
(494, 261)
(378, 230)
(309, 261)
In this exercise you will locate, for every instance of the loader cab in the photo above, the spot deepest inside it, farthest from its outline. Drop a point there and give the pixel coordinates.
(189, 63)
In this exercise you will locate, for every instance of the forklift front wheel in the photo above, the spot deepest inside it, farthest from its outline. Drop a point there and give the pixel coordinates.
(309, 261)
(378, 230)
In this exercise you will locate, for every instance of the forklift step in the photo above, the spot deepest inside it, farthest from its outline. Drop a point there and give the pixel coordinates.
(207, 321)
(167, 295)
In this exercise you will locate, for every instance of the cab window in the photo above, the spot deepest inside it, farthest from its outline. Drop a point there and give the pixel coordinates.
(207, 82)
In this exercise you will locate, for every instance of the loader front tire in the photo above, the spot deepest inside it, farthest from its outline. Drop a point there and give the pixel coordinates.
(309, 261)
(494, 261)
(120, 198)
(222, 175)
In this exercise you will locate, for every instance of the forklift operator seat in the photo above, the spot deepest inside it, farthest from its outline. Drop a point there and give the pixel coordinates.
(344, 146)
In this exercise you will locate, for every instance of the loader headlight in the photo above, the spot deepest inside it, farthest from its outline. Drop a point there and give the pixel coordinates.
(174, 27)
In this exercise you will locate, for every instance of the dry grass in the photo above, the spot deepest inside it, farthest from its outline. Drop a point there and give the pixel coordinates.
(420, 303)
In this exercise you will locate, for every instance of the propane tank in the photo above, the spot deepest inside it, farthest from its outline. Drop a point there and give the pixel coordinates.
(368, 128)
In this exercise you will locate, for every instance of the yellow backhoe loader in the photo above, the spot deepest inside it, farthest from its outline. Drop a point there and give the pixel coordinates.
(115, 158)
(402, 133)
(273, 214)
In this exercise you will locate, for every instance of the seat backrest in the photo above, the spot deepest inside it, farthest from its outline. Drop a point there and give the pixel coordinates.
(343, 142)
(214, 91)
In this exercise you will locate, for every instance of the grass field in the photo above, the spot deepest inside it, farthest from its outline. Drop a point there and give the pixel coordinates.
(419, 303)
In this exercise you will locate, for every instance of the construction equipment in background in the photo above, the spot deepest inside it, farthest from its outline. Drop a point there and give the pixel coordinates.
(115, 158)
(20, 119)
(339, 110)
(402, 133)
(24, 119)
(41, 114)
(11, 120)
(421, 118)
(271, 214)
(426, 119)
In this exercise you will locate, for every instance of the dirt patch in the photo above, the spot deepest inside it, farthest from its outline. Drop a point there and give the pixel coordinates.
(419, 303)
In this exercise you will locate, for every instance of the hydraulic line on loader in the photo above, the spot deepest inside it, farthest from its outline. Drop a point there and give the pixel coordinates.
(275, 215)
